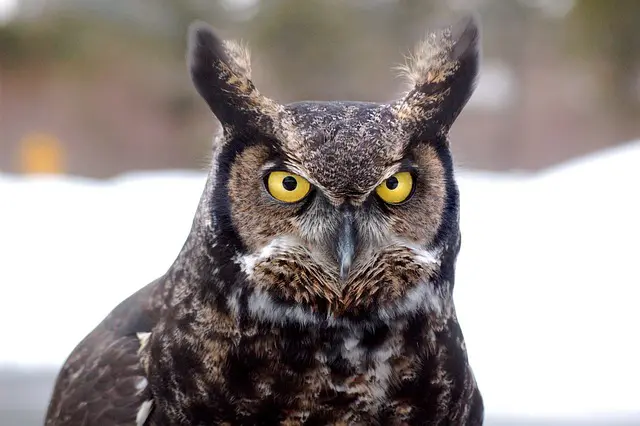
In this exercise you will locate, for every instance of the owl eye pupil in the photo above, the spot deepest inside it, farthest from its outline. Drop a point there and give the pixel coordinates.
(392, 183)
(289, 183)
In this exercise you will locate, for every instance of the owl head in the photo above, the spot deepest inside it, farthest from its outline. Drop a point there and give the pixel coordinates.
(334, 211)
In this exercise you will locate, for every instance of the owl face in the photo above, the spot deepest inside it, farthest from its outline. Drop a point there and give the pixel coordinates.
(338, 210)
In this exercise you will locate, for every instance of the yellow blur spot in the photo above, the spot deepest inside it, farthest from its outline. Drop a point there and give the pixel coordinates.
(41, 154)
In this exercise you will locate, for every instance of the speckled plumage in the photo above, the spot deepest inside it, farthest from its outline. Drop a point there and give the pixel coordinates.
(257, 322)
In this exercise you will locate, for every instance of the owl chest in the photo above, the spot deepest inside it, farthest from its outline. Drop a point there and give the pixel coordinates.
(295, 383)
(348, 385)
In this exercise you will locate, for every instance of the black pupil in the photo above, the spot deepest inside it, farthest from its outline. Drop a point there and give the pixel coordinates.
(289, 183)
(392, 183)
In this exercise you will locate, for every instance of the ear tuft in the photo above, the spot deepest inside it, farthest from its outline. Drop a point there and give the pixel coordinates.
(239, 54)
(440, 53)
(442, 72)
(205, 48)
(221, 71)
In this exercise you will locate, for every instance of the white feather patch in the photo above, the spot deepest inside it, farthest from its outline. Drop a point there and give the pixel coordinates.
(143, 412)
(248, 262)
(141, 384)
(143, 339)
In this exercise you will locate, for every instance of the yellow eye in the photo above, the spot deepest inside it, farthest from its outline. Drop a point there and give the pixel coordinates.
(396, 189)
(287, 187)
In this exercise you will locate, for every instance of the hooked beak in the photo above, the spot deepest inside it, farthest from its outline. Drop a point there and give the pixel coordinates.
(346, 243)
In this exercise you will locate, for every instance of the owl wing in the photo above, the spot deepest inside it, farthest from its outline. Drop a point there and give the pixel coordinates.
(102, 381)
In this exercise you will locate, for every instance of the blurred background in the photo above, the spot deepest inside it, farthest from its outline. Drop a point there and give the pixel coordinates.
(99, 87)
(94, 90)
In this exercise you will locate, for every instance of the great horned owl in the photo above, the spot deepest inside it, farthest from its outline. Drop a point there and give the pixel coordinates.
(316, 284)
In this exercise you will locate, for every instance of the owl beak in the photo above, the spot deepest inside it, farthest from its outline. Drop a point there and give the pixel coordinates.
(346, 243)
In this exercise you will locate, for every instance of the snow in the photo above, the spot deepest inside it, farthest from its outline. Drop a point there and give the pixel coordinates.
(546, 290)
(548, 284)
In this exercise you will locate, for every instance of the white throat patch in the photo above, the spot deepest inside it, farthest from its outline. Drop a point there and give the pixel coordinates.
(423, 297)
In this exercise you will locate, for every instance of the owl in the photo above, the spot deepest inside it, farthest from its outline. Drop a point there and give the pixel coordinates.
(316, 284)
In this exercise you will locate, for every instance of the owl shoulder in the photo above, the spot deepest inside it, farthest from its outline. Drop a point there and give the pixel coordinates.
(102, 381)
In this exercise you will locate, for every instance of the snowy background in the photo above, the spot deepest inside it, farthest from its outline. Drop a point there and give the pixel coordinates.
(547, 288)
